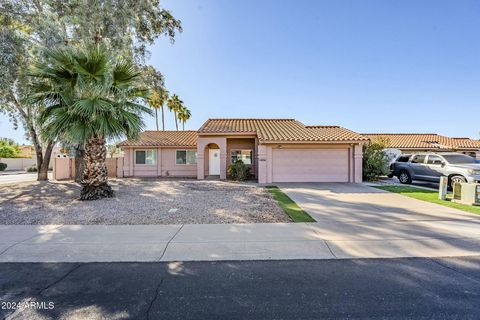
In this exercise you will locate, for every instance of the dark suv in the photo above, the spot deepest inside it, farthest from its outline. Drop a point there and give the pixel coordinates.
(431, 166)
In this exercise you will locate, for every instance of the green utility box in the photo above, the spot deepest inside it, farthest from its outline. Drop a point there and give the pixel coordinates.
(467, 193)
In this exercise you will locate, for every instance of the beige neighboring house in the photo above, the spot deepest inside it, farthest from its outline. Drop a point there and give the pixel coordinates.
(414, 142)
(276, 150)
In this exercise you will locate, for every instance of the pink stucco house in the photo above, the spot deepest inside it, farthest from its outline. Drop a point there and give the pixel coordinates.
(277, 150)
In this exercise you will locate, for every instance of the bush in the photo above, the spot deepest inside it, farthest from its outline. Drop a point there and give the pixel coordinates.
(239, 171)
(3, 166)
(375, 161)
(8, 148)
(32, 168)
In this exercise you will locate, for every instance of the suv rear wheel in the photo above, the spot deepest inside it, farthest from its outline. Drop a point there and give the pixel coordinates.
(404, 177)
(456, 179)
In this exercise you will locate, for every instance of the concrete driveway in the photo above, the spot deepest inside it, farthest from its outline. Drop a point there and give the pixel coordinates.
(356, 220)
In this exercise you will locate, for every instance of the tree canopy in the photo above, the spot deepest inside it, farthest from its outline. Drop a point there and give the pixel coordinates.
(125, 27)
(85, 92)
(8, 148)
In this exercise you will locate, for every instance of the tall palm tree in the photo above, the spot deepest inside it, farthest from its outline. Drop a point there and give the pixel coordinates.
(174, 104)
(89, 97)
(157, 100)
(184, 115)
(159, 95)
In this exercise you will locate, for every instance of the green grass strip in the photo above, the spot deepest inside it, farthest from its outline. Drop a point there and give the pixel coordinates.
(429, 196)
(295, 213)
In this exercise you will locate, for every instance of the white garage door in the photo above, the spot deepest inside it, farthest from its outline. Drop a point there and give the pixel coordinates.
(310, 165)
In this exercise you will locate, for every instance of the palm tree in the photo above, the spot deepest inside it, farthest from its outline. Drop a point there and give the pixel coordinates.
(184, 115)
(89, 97)
(174, 104)
(157, 100)
(159, 95)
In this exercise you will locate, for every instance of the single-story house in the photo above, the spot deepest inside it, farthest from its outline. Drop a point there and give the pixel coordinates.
(429, 142)
(276, 150)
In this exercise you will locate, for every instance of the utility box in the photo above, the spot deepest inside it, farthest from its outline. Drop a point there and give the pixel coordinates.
(443, 187)
(467, 193)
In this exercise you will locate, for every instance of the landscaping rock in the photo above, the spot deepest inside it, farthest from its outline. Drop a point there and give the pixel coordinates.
(140, 201)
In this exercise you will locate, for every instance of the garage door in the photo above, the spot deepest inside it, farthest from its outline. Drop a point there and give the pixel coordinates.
(310, 165)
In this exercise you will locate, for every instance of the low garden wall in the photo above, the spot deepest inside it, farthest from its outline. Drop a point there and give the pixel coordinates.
(16, 164)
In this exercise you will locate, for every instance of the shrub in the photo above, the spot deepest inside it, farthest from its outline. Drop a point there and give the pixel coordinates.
(32, 168)
(375, 161)
(3, 166)
(239, 171)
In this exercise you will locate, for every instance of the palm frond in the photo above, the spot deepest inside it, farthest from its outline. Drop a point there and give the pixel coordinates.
(85, 92)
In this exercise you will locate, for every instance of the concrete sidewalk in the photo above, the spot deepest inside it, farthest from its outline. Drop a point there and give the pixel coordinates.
(94, 243)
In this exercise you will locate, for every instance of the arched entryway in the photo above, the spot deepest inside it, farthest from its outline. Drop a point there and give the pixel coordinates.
(211, 157)
(212, 160)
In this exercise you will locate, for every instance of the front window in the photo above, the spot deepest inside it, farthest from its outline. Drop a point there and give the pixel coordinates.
(458, 158)
(186, 157)
(244, 155)
(145, 156)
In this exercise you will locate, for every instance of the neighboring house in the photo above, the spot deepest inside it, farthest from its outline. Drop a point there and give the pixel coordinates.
(413, 142)
(276, 150)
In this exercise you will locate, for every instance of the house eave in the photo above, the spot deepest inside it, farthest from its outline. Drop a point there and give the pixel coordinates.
(313, 142)
(158, 146)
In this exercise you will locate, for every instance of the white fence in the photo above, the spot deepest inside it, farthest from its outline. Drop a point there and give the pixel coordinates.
(15, 164)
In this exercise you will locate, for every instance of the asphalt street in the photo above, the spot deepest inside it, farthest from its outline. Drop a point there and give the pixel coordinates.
(11, 178)
(413, 288)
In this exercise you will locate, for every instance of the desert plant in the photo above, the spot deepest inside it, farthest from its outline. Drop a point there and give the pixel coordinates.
(32, 168)
(239, 171)
(375, 161)
(3, 166)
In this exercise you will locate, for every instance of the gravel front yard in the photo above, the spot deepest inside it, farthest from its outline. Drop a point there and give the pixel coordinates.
(140, 201)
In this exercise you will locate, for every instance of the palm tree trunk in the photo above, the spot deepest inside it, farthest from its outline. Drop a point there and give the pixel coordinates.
(176, 122)
(95, 178)
(183, 125)
(163, 119)
(156, 117)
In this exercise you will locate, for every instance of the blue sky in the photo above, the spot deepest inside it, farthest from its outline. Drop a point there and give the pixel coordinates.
(371, 66)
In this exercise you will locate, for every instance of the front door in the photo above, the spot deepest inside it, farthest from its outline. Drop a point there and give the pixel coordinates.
(214, 162)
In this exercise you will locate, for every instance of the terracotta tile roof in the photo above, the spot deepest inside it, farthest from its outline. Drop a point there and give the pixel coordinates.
(279, 130)
(163, 139)
(424, 141)
(467, 143)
